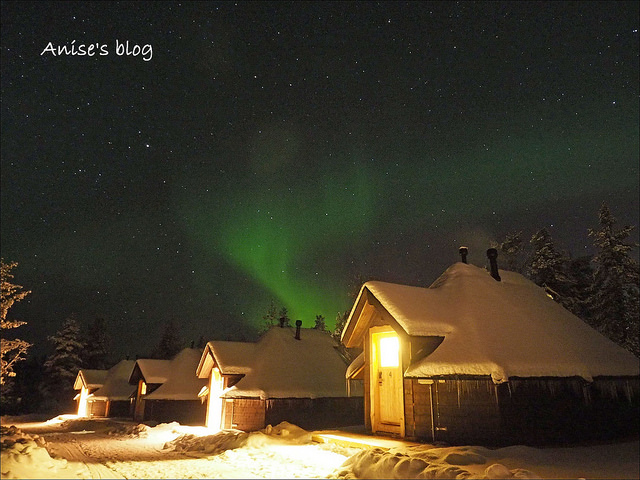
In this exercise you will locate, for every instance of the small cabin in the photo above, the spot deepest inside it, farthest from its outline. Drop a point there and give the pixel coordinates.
(295, 375)
(147, 375)
(113, 398)
(88, 381)
(486, 357)
(167, 390)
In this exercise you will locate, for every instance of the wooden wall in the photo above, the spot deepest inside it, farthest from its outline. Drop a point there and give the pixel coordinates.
(451, 410)
(245, 414)
(250, 414)
(534, 411)
(185, 412)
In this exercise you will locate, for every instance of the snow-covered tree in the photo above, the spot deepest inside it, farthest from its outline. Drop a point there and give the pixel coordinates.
(270, 318)
(62, 366)
(12, 350)
(615, 297)
(97, 340)
(170, 343)
(512, 248)
(580, 272)
(548, 268)
(284, 319)
(320, 323)
(341, 320)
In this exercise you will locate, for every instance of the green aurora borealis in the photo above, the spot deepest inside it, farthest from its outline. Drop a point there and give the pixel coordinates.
(281, 222)
(288, 151)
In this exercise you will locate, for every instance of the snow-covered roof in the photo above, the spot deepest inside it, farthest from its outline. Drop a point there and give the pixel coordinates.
(152, 370)
(503, 329)
(116, 385)
(89, 378)
(355, 366)
(232, 358)
(182, 382)
(280, 366)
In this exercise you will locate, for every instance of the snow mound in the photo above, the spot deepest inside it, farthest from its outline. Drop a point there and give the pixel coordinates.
(231, 439)
(22, 453)
(132, 431)
(425, 463)
(288, 432)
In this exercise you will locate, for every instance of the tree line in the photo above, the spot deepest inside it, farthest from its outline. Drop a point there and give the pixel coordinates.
(601, 289)
(45, 383)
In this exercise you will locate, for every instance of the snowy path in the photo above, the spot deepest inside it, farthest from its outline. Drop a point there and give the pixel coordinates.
(94, 450)
(107, 449)
(109, 457)
(64, 446)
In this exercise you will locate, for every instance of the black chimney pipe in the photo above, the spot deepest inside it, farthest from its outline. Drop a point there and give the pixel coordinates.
(298, 325)
(463, 251)
(492, 253)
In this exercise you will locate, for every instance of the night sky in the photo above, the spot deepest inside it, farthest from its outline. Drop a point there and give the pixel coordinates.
(264, 151)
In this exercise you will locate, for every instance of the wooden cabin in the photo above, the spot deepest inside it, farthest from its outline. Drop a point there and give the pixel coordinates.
(295, 375)
(87, 381)
(167, 390)
(480, 357)
(147, 375)
(113, 398)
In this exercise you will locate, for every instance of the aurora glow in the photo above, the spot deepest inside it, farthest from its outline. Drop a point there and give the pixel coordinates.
(286, 151)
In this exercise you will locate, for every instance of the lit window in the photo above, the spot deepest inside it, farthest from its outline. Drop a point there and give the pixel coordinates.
(389, 348)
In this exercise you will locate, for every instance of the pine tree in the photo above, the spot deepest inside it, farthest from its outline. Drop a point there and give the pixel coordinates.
(341, 320)
(615, 297)
(170, 342)
(284, 319)
(548, 269)
(580, 272)
(62, 366)
(97, 341)
(270, 318)
(11, 350)
(320, 324)
(513, 250)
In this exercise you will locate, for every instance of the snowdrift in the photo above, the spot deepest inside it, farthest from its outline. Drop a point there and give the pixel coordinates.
(25, 456)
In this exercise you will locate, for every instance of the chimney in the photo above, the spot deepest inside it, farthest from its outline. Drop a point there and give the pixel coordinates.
(492, 253)
(463, 251)
(281, 322)
(298, 325)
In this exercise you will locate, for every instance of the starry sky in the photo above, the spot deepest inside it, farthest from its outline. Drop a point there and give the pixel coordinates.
(196, 161)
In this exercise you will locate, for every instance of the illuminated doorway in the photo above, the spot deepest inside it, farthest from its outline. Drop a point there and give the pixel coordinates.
(214, 408)
(386, 382)
(138, 414)
(82, 402)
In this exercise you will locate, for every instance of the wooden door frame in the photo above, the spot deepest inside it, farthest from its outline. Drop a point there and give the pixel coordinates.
(374, 332)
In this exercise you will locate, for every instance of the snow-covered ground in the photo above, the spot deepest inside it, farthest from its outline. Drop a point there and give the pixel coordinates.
(69, 447)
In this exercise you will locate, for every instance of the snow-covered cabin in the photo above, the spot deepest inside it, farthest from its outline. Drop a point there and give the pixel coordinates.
(483, 357)
(113, 398)
(289, 374)
(87, 381)
(167, 390)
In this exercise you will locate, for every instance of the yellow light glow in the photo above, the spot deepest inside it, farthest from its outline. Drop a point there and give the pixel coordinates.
(389, 348)
(82, 403)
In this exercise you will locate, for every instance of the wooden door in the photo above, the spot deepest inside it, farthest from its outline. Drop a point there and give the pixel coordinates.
(386, 378)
